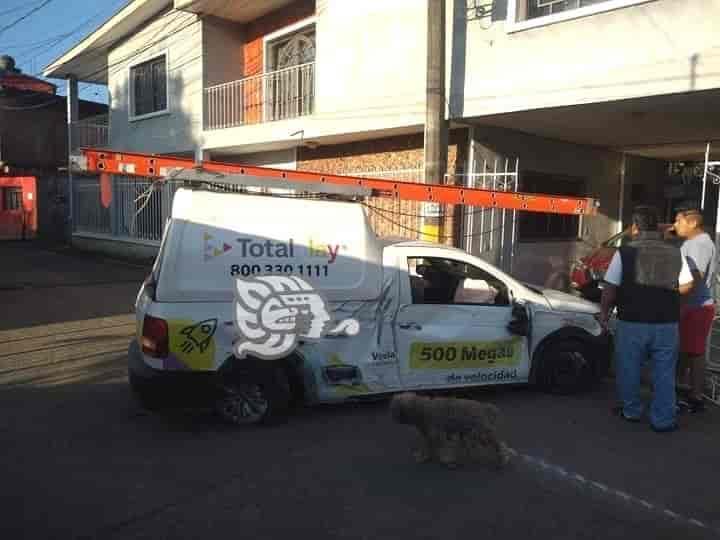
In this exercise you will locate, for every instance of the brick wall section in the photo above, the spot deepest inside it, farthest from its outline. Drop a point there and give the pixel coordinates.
(388, 217)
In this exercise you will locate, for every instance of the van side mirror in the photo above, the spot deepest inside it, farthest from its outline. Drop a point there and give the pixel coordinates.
(520, 322)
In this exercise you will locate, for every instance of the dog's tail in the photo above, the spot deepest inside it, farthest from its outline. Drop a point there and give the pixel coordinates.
(493, 414)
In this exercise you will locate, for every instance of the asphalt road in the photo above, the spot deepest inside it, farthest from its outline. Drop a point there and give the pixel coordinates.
(82, 461)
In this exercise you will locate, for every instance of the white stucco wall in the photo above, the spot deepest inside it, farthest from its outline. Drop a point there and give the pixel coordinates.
(370, 68)
(277, 159)
(370, 75)
(548, 262)
(222, 51)
(179, 35)
(640, 50)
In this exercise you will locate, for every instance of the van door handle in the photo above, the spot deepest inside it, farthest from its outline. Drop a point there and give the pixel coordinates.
(410, 326)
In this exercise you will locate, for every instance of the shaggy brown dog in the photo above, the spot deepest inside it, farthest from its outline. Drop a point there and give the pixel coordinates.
(452, 430)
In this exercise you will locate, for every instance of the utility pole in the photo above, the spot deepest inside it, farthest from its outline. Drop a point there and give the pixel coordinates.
(436, 129)
(73, 114)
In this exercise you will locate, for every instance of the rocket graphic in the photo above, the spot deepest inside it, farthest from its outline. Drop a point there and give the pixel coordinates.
(198, 335)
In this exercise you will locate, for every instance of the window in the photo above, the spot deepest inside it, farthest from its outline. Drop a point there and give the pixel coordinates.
(290, 89)
(149, 87)
(292, 49)
(447, 281)
(524, 14)
(542, 8)
(541, 226)
(12, 198)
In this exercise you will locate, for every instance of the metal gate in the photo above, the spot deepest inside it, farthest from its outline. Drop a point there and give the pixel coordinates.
(491, 233)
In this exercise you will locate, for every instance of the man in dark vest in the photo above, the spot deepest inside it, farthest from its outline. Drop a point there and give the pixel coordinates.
(645, 280)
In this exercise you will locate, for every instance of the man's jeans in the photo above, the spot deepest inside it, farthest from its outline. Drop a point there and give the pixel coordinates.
(635, 342)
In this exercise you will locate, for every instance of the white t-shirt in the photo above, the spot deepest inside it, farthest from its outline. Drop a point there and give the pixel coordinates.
(614, 271)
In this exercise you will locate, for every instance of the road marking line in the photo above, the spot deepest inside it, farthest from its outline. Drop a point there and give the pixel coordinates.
(616, 492)
(622, 494)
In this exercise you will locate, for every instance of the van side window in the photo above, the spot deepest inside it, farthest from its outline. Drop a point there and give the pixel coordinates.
(446, 281)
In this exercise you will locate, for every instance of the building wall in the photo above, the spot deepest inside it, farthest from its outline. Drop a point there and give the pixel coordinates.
(253, 49)
(547, 262)
(180, 35)
(355, 92)
(35, 137)
(644, 184)
(278, 159)
(222, 51)
(658, 47)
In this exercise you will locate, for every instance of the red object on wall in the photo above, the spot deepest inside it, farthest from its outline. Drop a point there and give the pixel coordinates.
(105, 190)
(18, 207)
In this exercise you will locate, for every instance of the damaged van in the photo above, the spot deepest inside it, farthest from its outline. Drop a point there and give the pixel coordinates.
(428, 316)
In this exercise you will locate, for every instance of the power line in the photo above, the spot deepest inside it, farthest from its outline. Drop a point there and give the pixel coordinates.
(28, 14)
(16, 8)
(169, 32)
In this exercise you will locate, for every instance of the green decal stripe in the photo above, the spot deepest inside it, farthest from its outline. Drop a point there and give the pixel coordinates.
(465, 354)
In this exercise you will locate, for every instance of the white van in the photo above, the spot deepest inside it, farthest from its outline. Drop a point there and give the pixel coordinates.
(430, 316)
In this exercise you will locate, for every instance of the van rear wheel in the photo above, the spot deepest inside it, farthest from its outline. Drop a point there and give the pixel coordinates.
(258, 397)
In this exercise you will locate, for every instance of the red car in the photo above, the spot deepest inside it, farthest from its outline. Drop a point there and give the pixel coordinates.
(587, 273)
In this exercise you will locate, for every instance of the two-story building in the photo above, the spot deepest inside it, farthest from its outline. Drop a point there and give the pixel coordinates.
(573, 97)
(33, 149)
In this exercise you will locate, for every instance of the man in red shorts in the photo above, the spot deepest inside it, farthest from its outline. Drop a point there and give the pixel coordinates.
(698, 311)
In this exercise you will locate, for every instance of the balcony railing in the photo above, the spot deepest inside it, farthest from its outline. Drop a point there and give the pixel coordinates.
(277, 95)
(90, 132)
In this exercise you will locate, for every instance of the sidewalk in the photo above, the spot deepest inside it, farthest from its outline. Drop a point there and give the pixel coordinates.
(34, 264)
(42, 284)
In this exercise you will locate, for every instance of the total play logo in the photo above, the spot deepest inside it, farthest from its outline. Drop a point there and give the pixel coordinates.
(250, 247)
(272, 249)
(213, 248)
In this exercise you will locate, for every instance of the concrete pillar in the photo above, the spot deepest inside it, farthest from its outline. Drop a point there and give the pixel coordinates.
(73, 115)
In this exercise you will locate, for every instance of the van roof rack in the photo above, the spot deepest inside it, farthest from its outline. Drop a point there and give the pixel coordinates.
(200, 177)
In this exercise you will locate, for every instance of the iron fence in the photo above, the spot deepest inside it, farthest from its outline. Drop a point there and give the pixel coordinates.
(137, 207)
(90, 132)
(90, 216)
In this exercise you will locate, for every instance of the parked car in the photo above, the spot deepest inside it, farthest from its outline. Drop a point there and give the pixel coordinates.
(586, 274)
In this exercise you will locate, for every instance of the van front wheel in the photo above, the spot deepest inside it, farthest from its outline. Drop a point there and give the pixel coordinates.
(255, 398)
(567, 367)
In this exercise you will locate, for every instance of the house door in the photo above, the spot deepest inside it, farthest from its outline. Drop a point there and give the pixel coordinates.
(11, 213)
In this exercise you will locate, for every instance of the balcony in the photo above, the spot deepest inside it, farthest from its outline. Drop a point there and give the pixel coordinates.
(90, 132)
(276, 95)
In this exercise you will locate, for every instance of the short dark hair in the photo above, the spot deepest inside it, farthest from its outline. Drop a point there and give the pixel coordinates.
(687, 207)
(694, 215)
(645, 218)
